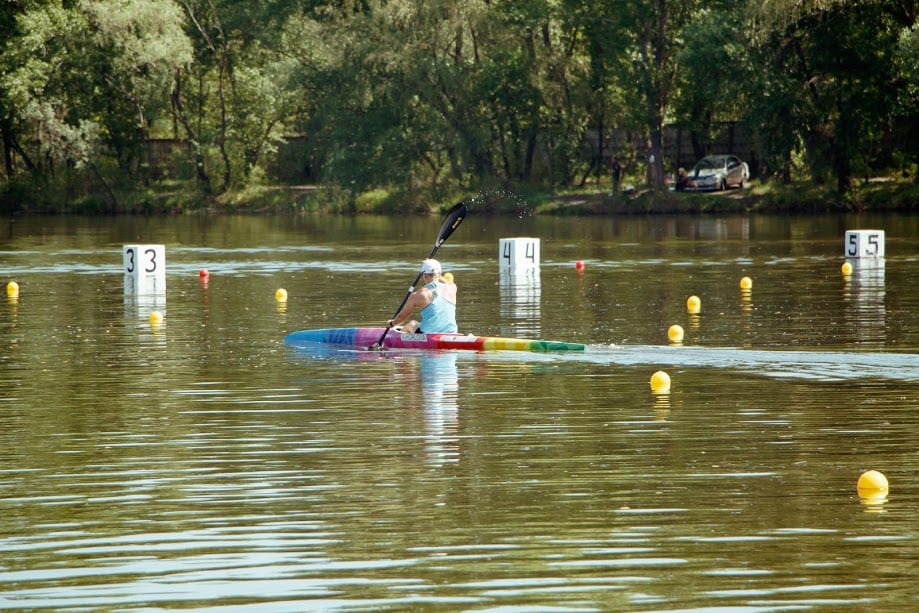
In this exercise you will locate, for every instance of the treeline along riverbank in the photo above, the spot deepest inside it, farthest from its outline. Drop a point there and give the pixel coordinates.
(399, 104)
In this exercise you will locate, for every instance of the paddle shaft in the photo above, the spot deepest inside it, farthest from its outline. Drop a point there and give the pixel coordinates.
(453, 219)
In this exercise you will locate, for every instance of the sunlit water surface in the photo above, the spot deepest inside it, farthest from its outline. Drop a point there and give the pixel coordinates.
(201, 464)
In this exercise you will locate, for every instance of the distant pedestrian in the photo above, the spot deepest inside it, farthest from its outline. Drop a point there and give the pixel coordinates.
(683, 182)
(616, 174)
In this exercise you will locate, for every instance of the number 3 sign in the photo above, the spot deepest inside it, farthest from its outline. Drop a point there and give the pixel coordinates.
(144, 269)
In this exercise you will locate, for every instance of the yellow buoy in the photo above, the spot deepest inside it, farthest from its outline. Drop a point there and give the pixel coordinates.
(872, 484)
(660, 382)
(746, 283)
(448, 277)
(693, 305)
(846, 268)
(12, 289)
(675, 333)
(156, 318)
(281, 295)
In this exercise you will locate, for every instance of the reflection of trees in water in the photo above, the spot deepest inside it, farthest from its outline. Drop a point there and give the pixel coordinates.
(440, 386)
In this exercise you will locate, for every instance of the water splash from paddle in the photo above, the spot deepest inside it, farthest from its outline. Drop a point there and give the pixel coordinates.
(500, 201)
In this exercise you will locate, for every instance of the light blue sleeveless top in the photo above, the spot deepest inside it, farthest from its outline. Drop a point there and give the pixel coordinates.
(440, 315)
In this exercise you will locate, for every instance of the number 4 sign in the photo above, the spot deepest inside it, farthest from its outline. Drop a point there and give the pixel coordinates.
(864, 244)
(521, 252)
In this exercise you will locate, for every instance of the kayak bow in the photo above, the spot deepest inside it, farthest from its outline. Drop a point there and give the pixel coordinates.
(362, 338)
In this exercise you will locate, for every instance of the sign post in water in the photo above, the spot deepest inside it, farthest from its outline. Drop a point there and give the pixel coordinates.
(518, 264)
(144, 270)
(864, 244)
(518, 253)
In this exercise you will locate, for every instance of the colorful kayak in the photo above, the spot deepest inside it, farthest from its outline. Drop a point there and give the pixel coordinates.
(364, 338)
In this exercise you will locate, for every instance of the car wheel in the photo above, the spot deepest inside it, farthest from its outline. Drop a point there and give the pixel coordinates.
(724, 185)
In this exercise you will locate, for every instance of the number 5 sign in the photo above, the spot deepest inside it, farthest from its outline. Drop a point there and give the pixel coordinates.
(144, 269)
(864, 244)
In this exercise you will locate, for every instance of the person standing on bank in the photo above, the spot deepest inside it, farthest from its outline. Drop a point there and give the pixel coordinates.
(683, 182)
(436, 300)
(616, 175)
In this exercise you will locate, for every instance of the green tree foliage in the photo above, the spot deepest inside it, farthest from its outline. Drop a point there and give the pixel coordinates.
(81, 78)
(450, 91)
(432, 96)
(907, 106)
(236, 100)
(830, 81)
(713, 68)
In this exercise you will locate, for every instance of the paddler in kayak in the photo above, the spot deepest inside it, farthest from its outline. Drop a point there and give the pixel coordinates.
(436, 300)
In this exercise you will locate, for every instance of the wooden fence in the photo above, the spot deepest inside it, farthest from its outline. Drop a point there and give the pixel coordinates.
(729, 137)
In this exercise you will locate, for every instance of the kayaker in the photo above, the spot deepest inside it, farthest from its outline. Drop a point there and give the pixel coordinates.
(436, 300)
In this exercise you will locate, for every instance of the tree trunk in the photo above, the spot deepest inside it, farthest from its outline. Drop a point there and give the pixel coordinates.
(200, 168)
(7, 148)
(653, 52)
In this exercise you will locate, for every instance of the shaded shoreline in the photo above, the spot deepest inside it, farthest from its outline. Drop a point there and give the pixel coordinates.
(803, 199)
(895, 197)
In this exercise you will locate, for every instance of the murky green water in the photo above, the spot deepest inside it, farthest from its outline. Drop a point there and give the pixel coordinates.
(201, 464)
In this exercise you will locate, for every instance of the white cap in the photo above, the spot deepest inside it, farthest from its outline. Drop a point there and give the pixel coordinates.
(430, 267)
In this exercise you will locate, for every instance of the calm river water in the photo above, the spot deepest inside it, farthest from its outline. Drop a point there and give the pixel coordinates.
(202, 464)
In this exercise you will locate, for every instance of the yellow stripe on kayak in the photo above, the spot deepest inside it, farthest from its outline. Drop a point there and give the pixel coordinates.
(516, 344)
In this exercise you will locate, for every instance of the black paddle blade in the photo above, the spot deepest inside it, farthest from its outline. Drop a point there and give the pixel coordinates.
(455, 216)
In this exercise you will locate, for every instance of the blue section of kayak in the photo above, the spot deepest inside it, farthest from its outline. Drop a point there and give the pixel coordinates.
(328, 336)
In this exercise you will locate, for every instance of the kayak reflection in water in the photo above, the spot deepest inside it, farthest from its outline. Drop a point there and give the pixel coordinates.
(440, 382)
(436, 300)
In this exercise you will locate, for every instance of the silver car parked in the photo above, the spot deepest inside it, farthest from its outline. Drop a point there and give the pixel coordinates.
(717, 172)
